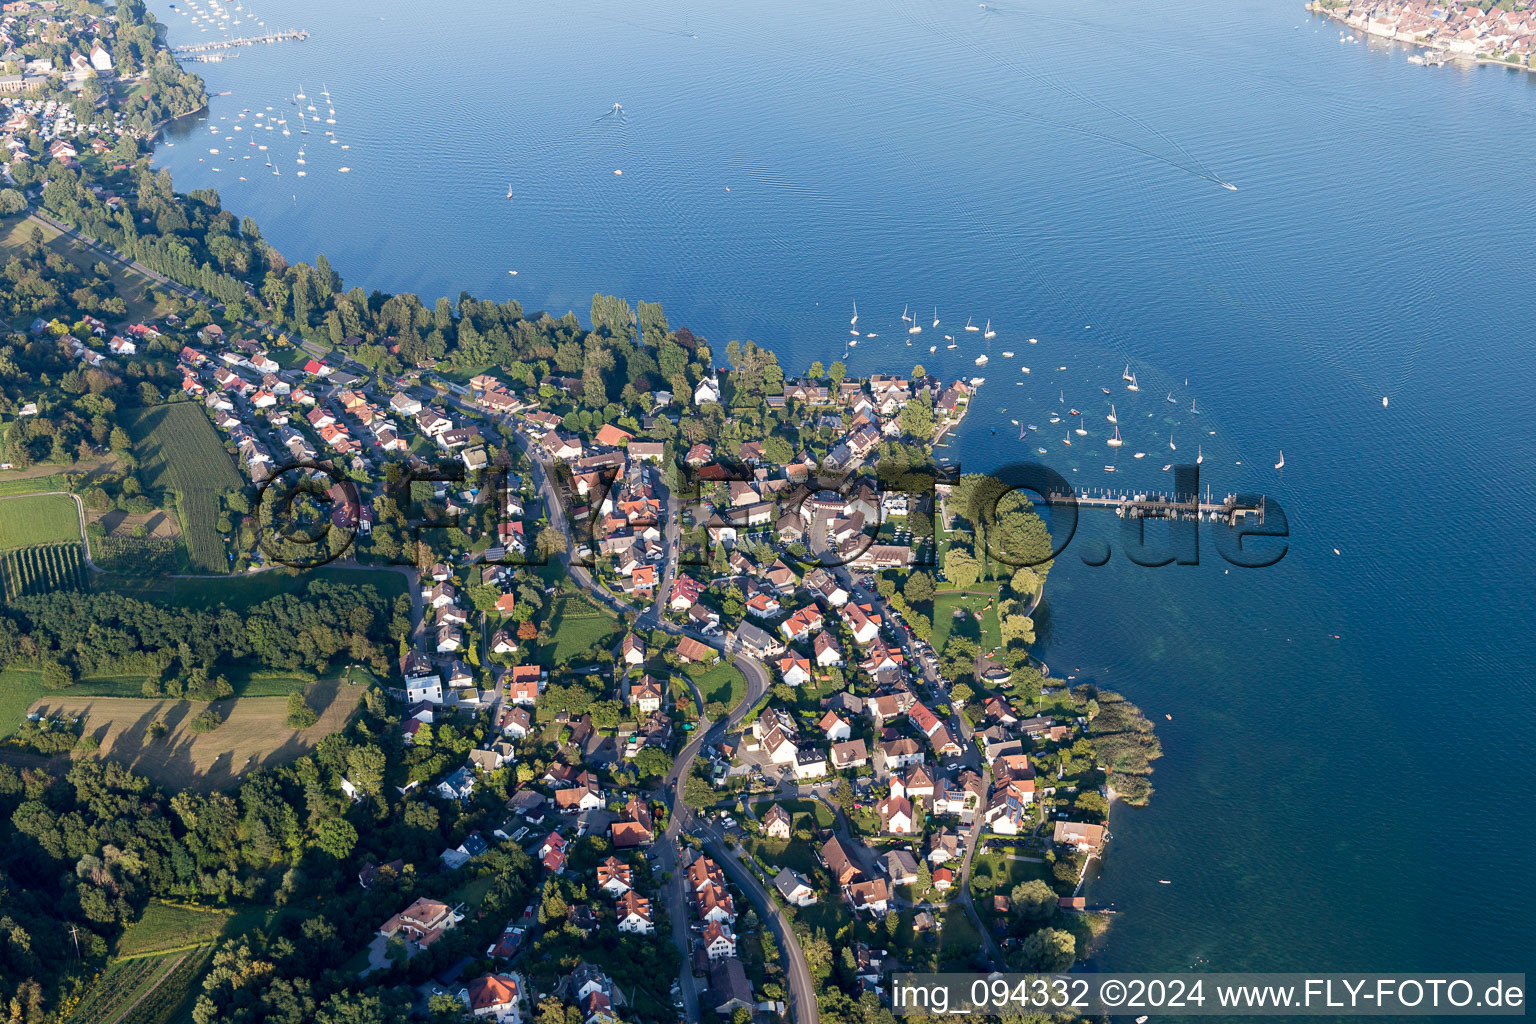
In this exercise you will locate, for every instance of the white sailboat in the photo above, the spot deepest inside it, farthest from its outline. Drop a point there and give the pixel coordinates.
(1081, 431)
(1125, 374)
(1133, 386)
(989, 332)
(904, 315)
(1281, 463)
(854, 331)
(1199, 454)
(1115, 442)
(1171, 446)
(1112, 417)
(970, 326)
(916, 327)
(855, 315)
(935, 316)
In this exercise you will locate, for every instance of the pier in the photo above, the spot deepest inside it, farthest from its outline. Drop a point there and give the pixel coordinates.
(1191, 507)
(289, 36)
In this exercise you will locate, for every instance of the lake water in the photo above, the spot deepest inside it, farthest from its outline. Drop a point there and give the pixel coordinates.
(1347, 776)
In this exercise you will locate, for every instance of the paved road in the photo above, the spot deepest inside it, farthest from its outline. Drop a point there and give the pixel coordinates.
(802, 998)
(797, 973)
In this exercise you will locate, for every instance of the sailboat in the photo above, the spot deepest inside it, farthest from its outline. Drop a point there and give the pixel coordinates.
(981, 360)
(1125, 374)
(933, 348)
(989, 332)
(855, 315)
(1115, 442)
(1067, 440)
(1192, 407)
(935, 316)
(916, 327)
(1199, 454)
(854, 331)
(970, 326)
(1081, 431)
(1171, 446)
(1281, 463)
(1133, 386)
(904, 315)
(1112, 417)
(872, 334)
(1383, 401)
(1171, 400)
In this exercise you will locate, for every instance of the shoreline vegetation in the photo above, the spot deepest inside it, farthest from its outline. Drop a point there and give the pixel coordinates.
(288, 838)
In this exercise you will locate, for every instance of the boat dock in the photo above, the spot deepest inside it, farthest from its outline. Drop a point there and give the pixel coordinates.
(1191, 507)
(289, 36)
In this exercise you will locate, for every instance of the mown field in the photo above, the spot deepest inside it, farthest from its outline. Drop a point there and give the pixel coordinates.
(254, 732)
(577, 626)
(42, 568)
(179, 451)
(31, 519)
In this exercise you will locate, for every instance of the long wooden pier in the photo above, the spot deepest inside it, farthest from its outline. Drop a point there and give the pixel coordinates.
(1151, 505)
(288, 36)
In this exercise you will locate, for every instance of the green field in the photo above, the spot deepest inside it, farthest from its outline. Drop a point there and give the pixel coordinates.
(169, 926)
(42, 568)
(19, 687)
(179, 451)
(152, 977)
(985, 633)
(723, 683)
(577, 627)
(37, 519)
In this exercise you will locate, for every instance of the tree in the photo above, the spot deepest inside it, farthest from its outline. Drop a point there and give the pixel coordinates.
(337, 837)
(300, 714)
(961, 693)
(962, 568)
(836, 372)
(365, 768)
(917, 418)
(918, 588)
(1034, 900)
(11, 201)
(1048, 950)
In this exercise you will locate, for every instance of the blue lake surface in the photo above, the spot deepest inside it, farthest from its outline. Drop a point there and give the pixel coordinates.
(1347, 780)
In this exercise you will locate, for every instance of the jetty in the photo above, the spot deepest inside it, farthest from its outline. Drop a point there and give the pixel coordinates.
(294, 35)
(1149, 505)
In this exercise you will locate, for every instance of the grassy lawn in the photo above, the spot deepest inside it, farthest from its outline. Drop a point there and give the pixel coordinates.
(985, 633)
(783, 853)
(472, 893)
(815, 808)
(723, 683)
(19, 688)
(133, 288)
(37, 519)
(179, 451)
(577, 626)
(993, 874)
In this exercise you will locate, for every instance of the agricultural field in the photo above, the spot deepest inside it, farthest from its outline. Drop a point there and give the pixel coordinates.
(31, 519)
(155, 968)
(43, 568)
(180, 452)
(139, 544)
(254, 732)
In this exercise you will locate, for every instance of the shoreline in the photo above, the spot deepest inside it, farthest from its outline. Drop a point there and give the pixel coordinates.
(1338, 14)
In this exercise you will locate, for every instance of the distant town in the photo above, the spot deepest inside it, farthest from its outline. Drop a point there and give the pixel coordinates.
(1496, 35)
